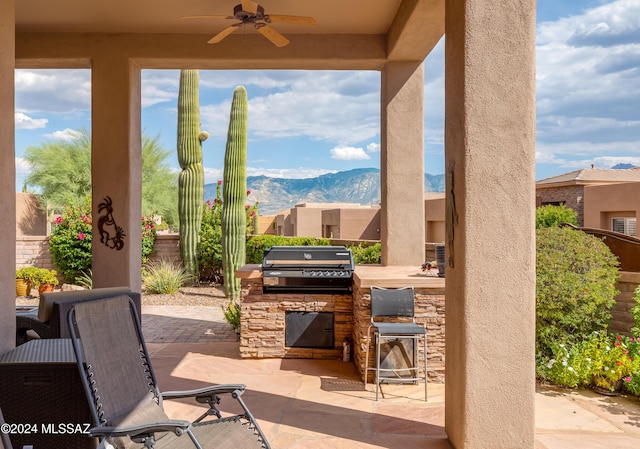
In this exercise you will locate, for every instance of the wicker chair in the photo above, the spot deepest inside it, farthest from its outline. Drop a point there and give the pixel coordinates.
(51, 319)
(123, 395)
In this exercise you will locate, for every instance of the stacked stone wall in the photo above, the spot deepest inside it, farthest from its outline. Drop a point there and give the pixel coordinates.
(571, 196)
(429, 312)
(262, 321)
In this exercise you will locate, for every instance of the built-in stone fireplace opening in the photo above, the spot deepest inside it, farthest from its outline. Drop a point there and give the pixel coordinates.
(309, 329)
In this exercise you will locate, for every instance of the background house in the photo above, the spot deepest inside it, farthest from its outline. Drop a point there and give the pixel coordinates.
(609, 194)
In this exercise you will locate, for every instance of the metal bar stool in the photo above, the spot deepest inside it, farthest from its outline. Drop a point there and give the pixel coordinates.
(396, 304)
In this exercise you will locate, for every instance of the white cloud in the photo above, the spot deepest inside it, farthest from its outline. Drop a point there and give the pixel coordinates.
(340, 107)
(349, 154)
(212, 175)
(373, 147)
(22, 171)
(588, 86)
(53, 90)
(23, 121)
(159, 86)
(288, 173)
(66, 134)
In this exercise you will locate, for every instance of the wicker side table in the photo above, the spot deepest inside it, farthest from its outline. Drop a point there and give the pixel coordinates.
(40, 386)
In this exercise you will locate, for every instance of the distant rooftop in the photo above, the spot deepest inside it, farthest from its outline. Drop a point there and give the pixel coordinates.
(594, 176)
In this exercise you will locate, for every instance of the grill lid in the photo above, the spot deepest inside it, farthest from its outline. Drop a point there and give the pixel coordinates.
(338, 257)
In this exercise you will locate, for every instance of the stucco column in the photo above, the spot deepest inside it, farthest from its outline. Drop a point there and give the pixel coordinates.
(490, 277)
(116, 169)
(402, 164)
(7, 176)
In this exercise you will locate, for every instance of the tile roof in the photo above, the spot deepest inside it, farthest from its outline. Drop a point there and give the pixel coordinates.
(594, 175)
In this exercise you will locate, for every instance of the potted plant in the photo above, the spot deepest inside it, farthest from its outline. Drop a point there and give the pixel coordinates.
(45, 280)
(24, 280)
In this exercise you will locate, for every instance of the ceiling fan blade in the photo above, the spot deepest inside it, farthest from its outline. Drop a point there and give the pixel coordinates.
(207, 17)
(249, 6)
(222, 34)
(295, 20)
(276, 38)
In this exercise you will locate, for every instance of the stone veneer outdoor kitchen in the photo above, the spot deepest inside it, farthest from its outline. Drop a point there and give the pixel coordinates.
(262, 316)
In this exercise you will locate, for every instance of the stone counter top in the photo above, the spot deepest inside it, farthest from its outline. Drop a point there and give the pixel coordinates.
(396, 277)
(250, 271)
(367, 275)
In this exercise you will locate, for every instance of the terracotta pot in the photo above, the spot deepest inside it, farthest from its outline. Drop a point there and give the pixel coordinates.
(46, 288)
(22, 287)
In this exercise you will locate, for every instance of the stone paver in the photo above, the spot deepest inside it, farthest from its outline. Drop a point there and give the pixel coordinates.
(193, 324)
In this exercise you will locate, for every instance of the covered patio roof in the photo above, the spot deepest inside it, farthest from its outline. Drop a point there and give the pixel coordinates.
(356, 34)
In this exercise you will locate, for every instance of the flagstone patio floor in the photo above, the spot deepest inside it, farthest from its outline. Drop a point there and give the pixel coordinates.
(303, 403)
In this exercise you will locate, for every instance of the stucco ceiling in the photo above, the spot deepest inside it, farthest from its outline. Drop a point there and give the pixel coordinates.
(165, 16)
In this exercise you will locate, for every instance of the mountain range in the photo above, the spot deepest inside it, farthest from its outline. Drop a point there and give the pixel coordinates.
(361, 185)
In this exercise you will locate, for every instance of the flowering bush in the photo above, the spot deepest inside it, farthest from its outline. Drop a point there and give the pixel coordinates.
(600, 360)
(70, 241)
(210, 248)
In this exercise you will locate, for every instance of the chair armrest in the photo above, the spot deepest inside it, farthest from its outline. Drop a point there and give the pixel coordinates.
(209, 395)
(205, 392)
(44, 330)
(173, 425)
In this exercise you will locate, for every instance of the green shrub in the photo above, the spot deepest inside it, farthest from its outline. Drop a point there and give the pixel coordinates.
(576, 277)
(552, 216)
(163, 277)
(258, 243)
(635, 312)
(85, 279)
(210, 247)
(367, 254)
(70, 241)
(232, 314)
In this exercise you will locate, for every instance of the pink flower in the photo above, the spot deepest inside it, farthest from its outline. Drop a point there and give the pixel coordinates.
(248, 192)
(81, 236)
(627, 379)
(219, 182)
(631, 340)
(58, 219)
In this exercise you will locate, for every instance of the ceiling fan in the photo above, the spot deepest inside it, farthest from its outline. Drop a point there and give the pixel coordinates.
(250, 12)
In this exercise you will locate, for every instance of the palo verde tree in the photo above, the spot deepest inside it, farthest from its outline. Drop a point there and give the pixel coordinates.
(234, 194)
(191, 179)
(61, 172)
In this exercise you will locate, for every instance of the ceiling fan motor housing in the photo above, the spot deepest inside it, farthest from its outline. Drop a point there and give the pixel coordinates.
(244, 16)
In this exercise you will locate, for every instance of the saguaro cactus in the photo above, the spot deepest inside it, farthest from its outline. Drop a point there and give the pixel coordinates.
(234, 194)
(191, 179)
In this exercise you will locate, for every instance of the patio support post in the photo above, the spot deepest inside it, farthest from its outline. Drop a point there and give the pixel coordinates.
(490, 209)
(7, 176)
(116, 167)
(402, 164)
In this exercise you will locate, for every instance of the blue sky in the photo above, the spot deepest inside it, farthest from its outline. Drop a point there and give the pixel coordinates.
(307, 123)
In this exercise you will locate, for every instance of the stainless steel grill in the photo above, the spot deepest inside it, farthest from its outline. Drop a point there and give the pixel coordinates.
(307, 269)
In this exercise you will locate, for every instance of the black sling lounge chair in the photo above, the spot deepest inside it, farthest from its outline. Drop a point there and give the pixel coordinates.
(123, 395)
